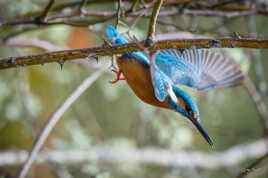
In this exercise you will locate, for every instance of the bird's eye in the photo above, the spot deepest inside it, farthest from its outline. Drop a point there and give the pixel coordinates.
(189, 111)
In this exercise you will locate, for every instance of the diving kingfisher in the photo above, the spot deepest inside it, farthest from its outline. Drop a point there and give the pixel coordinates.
(154, 79)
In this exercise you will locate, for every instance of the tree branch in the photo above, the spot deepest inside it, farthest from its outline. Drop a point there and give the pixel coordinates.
(66, 55)
(55, 118)
(46, 11)
(82, 6)
(209, 160)
(229, 13)
(250, 168)
(256, 97)
(155, 13)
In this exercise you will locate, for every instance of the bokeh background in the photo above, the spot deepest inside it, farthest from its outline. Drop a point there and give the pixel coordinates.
(112, 115)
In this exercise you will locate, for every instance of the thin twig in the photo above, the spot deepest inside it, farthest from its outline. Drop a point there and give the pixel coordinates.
(46, 11)
(82, 6)
(112, 14)
(155, 13)
(55, 118)
(133, 25)
(256, 97)
(134, 5)
(256, 57)
(251, 167)
(223, 3)
(118, 13)
(215, 13)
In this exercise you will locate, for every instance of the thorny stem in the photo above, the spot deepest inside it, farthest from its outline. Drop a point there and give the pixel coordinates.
(65, 55)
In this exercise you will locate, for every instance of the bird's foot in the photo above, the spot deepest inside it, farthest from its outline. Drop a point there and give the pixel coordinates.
(118, 76)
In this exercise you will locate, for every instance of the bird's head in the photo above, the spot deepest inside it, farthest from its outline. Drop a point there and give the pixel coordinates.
(184, 104)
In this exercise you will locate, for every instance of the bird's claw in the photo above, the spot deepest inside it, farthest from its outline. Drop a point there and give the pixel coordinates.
(118, 76)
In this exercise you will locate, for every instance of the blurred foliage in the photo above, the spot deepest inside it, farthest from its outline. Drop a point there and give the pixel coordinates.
(112, 114)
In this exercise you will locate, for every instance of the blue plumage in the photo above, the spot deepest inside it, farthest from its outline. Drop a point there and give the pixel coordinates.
(161, 82)
(200, 69)
(180, 71)
(189, 102)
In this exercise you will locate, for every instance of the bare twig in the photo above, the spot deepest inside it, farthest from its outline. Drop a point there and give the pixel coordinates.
(210, 160)
(155, 13)
(256, 57)
(251, 168)
(134, 24)
(61, 6)
(256, 97)
(134, 5)
(46, 11)
(55, 118)
(223, 3)
(112, 14)
(228, 14)
(118, 13)
(82, 6)
(13, 62)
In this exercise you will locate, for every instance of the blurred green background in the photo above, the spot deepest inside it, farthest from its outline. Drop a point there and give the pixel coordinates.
(112, 114)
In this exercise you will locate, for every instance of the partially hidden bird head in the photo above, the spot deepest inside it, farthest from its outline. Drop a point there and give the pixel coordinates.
(113, 34)
(183, 103)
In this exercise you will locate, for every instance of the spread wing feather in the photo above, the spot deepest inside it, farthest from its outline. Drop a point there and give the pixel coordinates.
(200, 69)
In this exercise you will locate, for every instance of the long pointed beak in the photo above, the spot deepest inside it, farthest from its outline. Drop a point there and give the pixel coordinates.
(202, 130)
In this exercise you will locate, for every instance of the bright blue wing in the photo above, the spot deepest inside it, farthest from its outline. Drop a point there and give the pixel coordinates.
(159, 79)
(158, 84)
(117, 38)
(200, 69)
(161, 82)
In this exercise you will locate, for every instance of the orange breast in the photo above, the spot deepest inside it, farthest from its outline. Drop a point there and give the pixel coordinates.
(139, 79)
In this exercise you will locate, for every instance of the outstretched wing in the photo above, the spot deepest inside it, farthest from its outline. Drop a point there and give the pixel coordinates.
(200, 69)
(117, 38)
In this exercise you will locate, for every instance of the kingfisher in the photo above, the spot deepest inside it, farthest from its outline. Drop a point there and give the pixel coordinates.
(155, 79)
